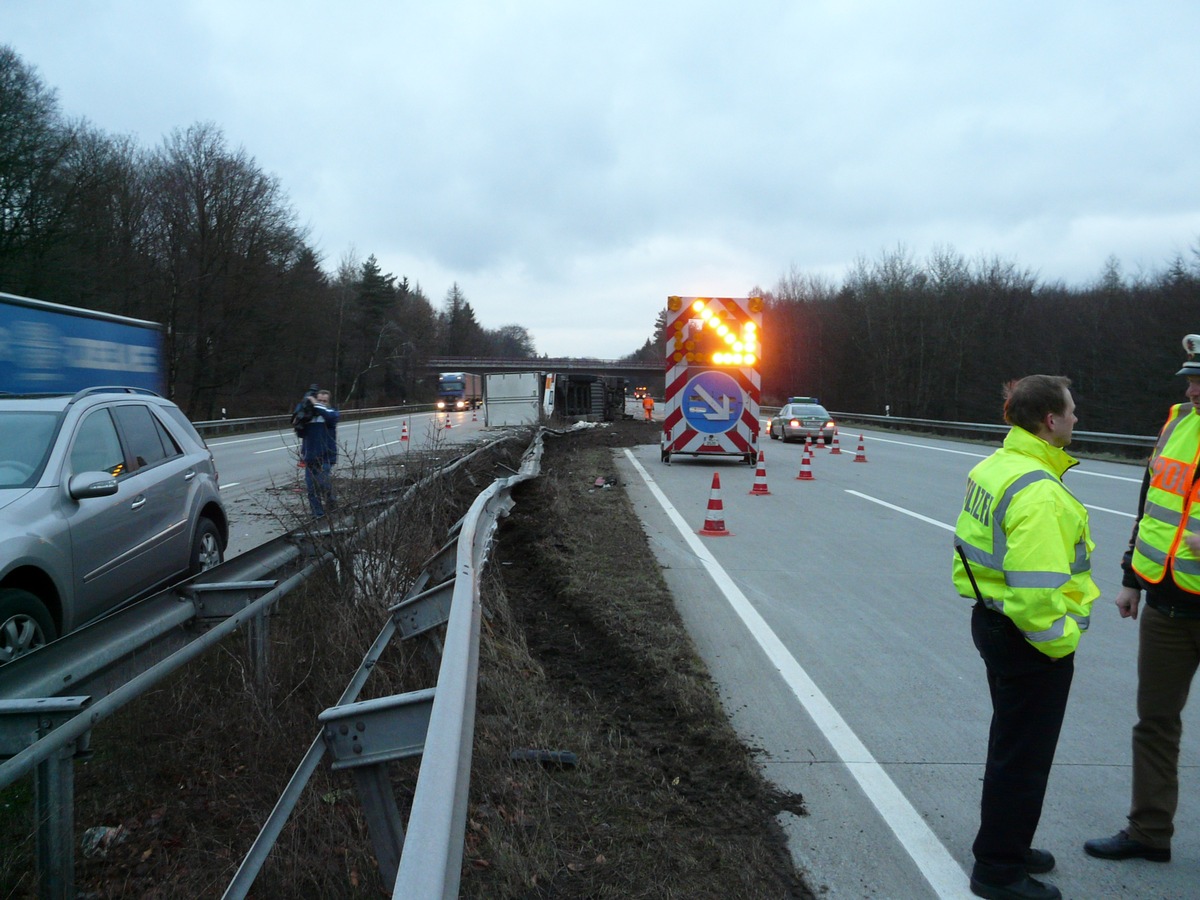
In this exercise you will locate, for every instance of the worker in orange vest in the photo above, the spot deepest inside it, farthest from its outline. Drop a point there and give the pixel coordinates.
(648, 406)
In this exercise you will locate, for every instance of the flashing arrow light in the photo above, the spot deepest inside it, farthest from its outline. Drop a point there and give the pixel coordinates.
(711, 336)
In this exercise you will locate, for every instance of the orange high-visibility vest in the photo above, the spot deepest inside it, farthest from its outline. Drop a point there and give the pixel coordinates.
(1169, 501)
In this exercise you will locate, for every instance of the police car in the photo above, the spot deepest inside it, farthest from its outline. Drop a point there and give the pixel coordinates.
(800, 418)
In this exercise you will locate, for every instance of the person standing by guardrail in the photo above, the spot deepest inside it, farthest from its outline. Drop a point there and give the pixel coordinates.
(319, 443)
(1163, 559)
(301, 415)
(648, 406)
(1024, 549)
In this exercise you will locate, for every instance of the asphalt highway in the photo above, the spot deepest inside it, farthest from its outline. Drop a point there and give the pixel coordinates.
(843, 653)
(259, 470)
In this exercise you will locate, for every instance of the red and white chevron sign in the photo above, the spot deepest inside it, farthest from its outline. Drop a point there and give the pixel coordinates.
(713, 348)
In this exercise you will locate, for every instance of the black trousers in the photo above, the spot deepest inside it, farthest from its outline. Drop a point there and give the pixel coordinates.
(1029, 698)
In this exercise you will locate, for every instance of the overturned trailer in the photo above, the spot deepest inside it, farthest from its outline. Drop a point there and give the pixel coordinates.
(530, 398)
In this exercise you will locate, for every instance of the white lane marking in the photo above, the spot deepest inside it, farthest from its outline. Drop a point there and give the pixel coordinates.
(880, 440)
(1075, 471)
(275, 450)
(231, 441)
(916, 515)
(932, 858)
(901, 509)
(231, 484)
(1079, 471)
(1115, 512)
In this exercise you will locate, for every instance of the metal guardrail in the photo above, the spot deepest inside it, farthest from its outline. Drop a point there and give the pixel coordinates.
(53, 698)
(1129, 441)
(214, 427)
(538, 364)
(437, 724)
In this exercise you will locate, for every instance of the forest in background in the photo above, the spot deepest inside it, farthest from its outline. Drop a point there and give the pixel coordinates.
(938, 338)
(194, 235)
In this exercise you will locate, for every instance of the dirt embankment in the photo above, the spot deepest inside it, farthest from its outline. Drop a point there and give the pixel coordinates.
(588, 655)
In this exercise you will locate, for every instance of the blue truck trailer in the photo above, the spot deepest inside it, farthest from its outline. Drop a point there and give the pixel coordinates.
(49, 348)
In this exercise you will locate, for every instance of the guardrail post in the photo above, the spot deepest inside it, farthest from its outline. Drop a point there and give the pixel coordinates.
(364, 737)
(22, 723)
(257, 631)
(219, 600)
(54, 808)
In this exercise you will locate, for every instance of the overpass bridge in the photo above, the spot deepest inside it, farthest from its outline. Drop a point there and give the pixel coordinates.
(652, 375)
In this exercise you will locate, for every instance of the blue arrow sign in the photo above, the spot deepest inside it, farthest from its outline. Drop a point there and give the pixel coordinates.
(712, 402)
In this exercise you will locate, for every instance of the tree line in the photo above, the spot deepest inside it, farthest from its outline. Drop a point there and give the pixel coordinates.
(194, 235)
(938, 338)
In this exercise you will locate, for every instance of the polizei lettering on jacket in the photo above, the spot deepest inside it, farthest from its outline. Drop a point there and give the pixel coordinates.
(978, 503)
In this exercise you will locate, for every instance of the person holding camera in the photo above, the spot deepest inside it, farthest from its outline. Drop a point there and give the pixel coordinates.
(316, 422)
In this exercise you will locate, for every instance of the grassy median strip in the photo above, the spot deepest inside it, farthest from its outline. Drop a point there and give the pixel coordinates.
(587, 656)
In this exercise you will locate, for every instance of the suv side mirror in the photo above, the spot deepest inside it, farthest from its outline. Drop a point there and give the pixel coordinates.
(87, 485)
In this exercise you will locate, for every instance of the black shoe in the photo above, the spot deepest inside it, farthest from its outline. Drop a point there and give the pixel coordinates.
(1122, 846)
(1024, 888)
(1038, 862)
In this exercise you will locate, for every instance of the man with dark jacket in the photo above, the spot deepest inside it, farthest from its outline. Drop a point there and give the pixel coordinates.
(1163, 559)
(318, 441)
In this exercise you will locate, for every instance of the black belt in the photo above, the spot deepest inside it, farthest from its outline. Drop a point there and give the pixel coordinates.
(1175, 610)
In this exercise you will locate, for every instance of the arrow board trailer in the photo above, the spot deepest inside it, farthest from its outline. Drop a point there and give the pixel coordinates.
(713, 352)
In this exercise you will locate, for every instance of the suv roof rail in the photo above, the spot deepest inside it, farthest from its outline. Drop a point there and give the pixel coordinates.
(113, 389)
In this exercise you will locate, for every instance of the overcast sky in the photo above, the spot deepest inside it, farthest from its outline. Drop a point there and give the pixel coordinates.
(571, 165)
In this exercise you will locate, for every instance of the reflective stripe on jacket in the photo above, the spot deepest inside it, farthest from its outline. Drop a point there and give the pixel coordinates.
(1169, 500)
(1028, 542)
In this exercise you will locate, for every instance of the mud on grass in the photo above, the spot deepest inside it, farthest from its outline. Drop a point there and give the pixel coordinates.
(585, 653)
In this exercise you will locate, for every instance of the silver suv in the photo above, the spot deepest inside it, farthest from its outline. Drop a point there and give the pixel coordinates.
(104, 496)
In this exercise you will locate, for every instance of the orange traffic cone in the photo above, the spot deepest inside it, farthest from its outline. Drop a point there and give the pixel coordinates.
(861, 455)
(808, 445)
(760, 477)
(805, 469)
(714, 519)
(835, 450)
(447, 420)
(474, 415)
(404, 431)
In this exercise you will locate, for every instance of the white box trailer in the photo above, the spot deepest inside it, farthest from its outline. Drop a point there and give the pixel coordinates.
(518, 398)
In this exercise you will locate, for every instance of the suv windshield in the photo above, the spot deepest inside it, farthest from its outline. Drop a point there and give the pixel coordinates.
(25, 440)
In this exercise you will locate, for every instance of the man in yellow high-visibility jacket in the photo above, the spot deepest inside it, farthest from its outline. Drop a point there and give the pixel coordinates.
(1164, 560)
(1023, 552)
